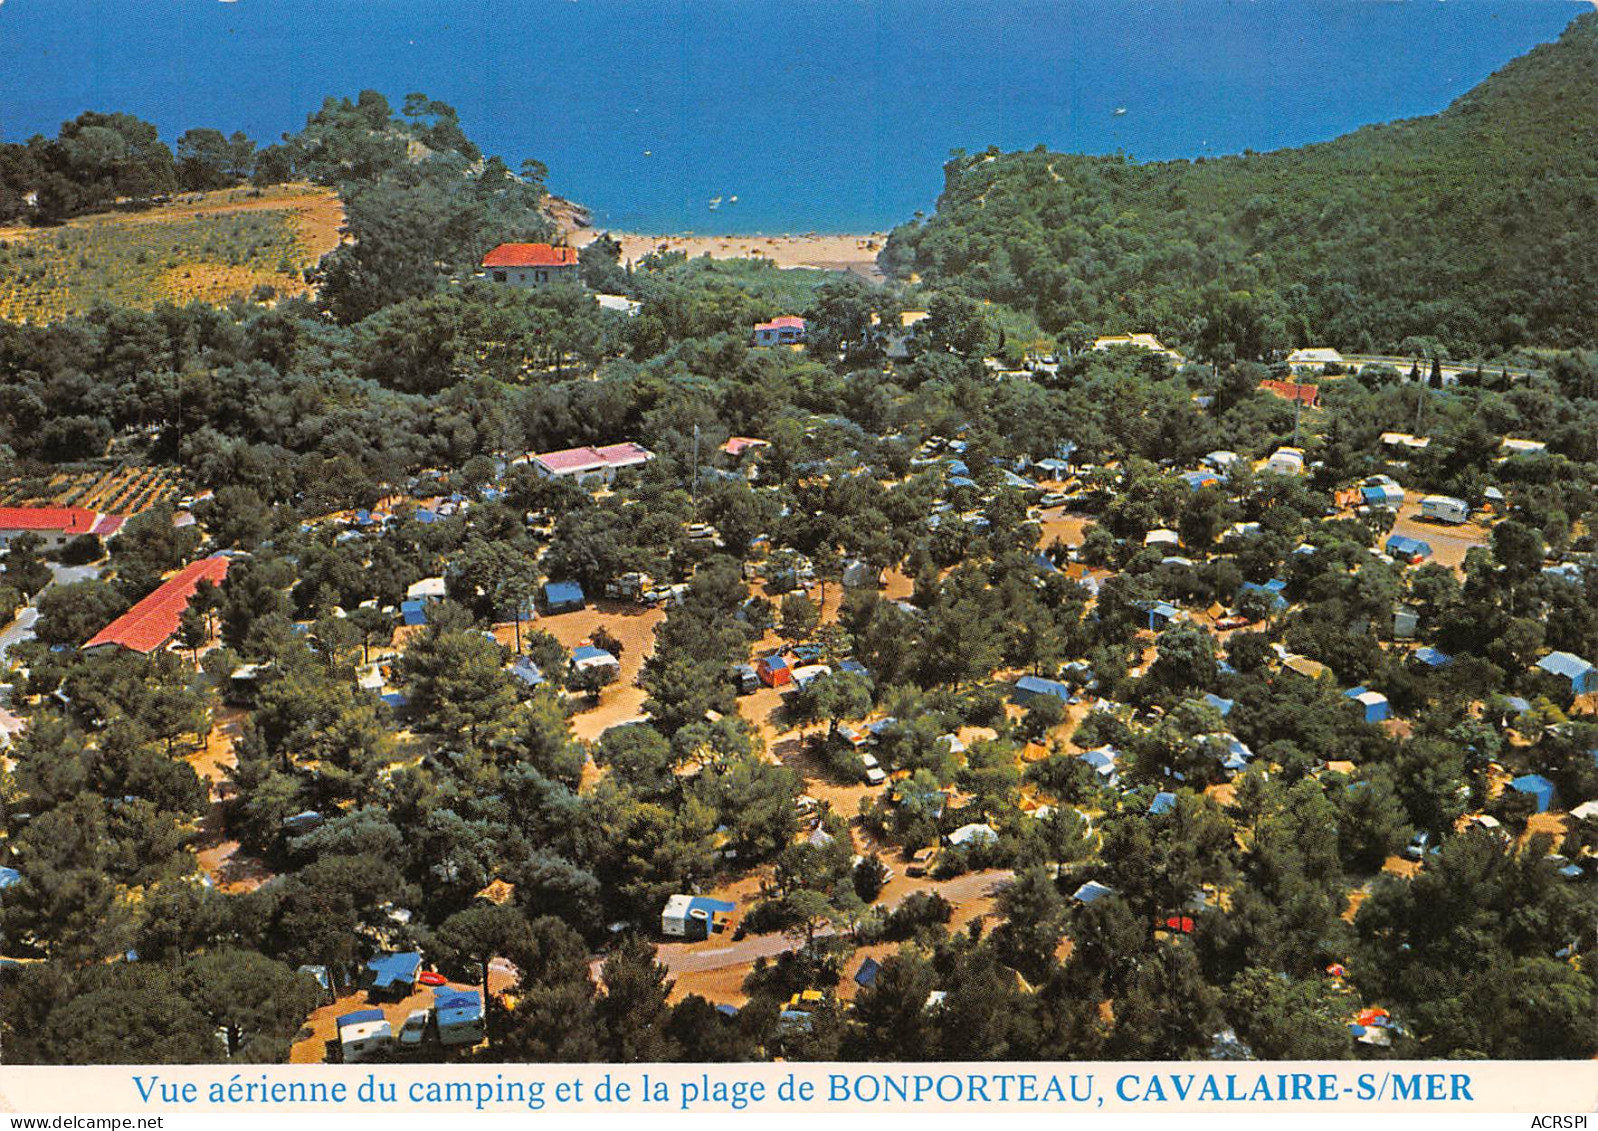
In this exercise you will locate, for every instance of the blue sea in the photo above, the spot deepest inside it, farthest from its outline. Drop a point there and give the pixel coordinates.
(818, 115)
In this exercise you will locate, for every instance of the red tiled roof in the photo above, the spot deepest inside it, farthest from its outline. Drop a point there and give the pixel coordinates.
(1289, 390)
(738, 445)
(151, 623)
(68, 520)
(530, 255)
(109, 524)
(786, 322)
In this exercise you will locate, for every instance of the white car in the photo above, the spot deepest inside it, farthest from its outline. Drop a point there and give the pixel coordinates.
(415, 1027)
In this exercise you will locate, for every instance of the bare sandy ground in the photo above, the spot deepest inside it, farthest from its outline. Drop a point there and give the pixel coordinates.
(634, 626)
(857, 253)
(318, 212)
(1449, 543)
(218, 853)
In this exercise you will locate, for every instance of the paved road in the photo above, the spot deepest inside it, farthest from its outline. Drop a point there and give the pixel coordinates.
(21, 629)
(66, 575)
(687, 958)
(1451, 370)
(18, 631)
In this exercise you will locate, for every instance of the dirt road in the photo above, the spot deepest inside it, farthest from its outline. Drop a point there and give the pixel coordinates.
(714, 954)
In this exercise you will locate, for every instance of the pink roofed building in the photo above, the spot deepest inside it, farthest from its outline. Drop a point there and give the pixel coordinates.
(582, 465)
(738, 445)
(789, 330)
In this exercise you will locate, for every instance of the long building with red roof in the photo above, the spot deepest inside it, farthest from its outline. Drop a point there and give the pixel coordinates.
(148, 625)
(55, 525)
(531, 264)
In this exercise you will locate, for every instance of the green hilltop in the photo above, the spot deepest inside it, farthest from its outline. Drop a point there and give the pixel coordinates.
(1472, 228)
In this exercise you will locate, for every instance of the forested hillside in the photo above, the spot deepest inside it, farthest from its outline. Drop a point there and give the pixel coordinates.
(1473, 227)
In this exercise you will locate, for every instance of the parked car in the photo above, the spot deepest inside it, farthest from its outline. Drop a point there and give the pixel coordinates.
(1418, 846)
(414, 1031)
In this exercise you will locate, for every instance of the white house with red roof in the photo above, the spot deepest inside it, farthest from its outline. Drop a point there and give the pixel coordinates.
(583, 465)
(56, 526)
(531, 264)
(789, 330)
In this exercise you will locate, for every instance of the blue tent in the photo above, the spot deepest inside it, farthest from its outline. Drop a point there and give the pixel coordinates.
(9, 877)
(361, 1017)
(1431, 657)
(1373, 703)
(1224, 706)
(1583, 676)
(1272, 589)
(457, 1007)
(413, 612)
(395, 972)
(1161, 615)
(588, 652)
(1030, 687)
(1539, 787)
(564, 597)
(1163, 802)
(961, 481)
(867, 974)
(1410, 549)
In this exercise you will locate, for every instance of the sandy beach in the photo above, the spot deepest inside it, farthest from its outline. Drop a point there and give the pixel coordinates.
(857, 253)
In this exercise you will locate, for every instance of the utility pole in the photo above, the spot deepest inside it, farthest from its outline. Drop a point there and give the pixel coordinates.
(694, 489)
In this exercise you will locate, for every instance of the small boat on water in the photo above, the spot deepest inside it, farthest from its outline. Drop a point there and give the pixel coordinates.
(715, 203)
(1119, 111)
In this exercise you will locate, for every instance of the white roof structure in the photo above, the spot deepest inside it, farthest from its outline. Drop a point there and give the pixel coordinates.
(1513, 446)
(619, 303)
(428, 588)
(1138, 341)
(973, 834)
(1315, 356)
(1286, 461)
